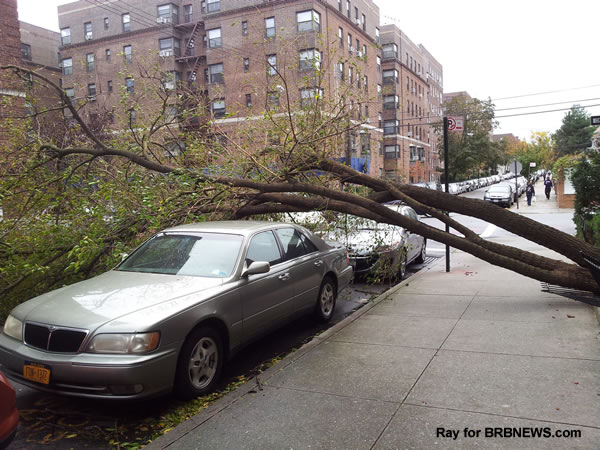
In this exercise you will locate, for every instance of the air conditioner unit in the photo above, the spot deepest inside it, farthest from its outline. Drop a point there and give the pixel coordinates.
(351, 49)
(88, 37)
(92, 98)
(357, 21)
(165, 53)
(359, 53)
(60, 65)
(163, 20)
(409, 134)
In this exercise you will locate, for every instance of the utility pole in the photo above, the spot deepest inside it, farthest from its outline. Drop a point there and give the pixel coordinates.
(516, 184)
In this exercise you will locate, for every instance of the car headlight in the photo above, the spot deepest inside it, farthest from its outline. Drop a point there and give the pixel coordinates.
(13, 327)
(124, 343)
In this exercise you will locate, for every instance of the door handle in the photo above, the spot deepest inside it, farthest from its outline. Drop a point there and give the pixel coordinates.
(318, 263)
(285, 276)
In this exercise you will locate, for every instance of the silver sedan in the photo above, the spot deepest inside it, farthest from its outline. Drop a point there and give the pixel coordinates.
(173, 312)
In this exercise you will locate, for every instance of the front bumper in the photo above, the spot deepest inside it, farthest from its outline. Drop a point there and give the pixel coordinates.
(92, 375)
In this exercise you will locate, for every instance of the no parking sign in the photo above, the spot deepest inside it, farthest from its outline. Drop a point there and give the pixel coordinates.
(455, 123)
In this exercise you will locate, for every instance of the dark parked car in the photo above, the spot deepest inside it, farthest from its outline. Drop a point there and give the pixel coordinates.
(9, 416)
(172, 313)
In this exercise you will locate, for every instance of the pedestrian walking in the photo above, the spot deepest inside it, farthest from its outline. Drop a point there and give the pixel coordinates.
(529, 192)
(548, 187)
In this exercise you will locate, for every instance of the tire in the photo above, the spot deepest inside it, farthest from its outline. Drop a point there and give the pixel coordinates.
(200, 363)
(325, 301)
(421, 258)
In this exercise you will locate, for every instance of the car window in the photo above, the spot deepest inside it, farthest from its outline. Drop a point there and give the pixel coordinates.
(291, 241)
(203, 255)
(263, 247)
(308, 245)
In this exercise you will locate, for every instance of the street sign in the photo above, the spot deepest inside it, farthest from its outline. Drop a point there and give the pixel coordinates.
(455, 123)
(595, 120)
(532, 164)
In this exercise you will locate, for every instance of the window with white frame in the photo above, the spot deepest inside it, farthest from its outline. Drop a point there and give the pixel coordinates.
(65, 36)
(168, 13)
(216, 74)
(390, 76)
(390, 51)
(391, 127)
(218, 107)
(341, 37)
(90, 62)
(391, 151)
(309, 96)
(308, 20)
(309, 59)
(87, 31)
(126, 22)
(271, 64)
(169, 47)
(390, 102)
(214, 38)
(127, 54)
(270, 27)
(213, 5)
(67, 66)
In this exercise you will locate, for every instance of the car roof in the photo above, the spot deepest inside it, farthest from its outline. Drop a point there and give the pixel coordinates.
(243, 227)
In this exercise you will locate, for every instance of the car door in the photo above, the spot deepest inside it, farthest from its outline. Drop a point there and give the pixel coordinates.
(307, 267)
(267, 298)
(415, 241)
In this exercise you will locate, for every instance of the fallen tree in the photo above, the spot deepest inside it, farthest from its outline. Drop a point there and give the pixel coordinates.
(140, 190)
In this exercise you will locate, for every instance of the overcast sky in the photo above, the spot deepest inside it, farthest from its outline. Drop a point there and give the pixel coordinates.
(491, 49)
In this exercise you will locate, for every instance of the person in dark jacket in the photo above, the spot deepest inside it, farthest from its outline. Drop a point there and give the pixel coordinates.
(529, 191)
(548, 184)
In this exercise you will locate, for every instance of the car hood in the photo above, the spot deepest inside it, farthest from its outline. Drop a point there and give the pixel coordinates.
(91, 303)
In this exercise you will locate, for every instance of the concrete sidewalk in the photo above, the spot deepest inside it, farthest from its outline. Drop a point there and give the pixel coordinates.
(477, 348)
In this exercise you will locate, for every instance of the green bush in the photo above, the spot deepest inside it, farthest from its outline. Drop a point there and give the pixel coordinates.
(586, 180)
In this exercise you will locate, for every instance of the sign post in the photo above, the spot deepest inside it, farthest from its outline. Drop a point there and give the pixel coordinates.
(446, 127)
(516, 184)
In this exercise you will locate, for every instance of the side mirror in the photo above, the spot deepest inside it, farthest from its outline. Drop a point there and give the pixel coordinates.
(257, 267)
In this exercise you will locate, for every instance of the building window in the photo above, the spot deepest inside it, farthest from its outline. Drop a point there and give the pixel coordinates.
(364, 22)
(87, 30)
(364, 50)
(273, 98)
(246, 64)
(308, 20)
(309, 96)
(390, 127)
(214, 38)
(378, 63)
(379, 119)
(129, 86)
(187, 13)
(170, 80)
(350, 48)
(218, 108)
(167, 14)
(390, 76)
(90, 63)
(390, 102)
(169, 47)
(379, 90)
(342, 67)
(245, 28)
(92, 91)
(350, 75)
(366, 80)
(377, 35)
(107, 54)
(106, 23)
(109, 86)
(216, 74)
(67, 66)
(127, 54)
(126, 22)
(132, 117)
(213, 5)
(391, 152)
(340, 5)
(341, 37)
(390, 51)
(270, 27)
(309, 59)
(26, 51)
(348, 9)
(248, 100)
(65, 36)
(70, 92)
(271, 64)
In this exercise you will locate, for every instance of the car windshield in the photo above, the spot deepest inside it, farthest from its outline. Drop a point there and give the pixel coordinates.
(200, 255)
(499, 189)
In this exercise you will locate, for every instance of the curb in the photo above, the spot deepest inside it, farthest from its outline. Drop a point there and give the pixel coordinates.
(254, 383)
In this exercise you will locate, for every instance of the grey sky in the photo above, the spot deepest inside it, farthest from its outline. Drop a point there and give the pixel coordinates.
(490, 49)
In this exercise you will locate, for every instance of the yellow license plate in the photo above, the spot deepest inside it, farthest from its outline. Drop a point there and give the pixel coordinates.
(36, 372)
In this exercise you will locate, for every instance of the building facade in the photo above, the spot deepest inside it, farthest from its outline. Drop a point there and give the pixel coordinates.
(233, 53)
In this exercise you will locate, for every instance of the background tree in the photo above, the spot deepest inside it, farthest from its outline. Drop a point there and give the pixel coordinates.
(539, 150)
(575, 134)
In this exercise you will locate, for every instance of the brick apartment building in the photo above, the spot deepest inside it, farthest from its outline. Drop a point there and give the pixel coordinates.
(228, 50)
